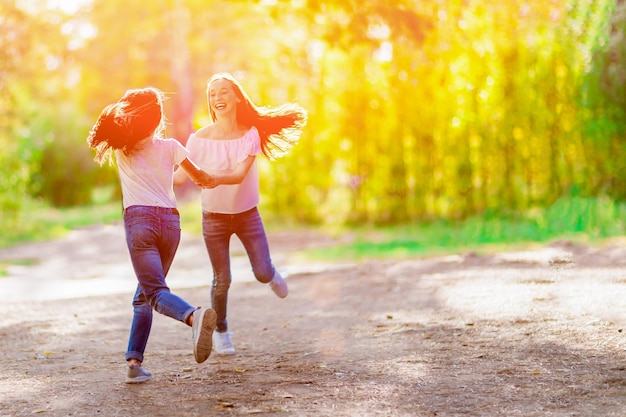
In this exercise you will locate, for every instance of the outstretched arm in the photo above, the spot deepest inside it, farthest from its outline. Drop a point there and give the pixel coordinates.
(197, 175)
(206, 180)
(180, 176)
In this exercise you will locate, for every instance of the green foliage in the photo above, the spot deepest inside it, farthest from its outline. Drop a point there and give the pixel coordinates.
(39, 221)
(430, 112)
(574, 218)
(39, 120)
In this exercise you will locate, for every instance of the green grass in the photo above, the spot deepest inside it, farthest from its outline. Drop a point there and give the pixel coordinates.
(190, 216)
(39, 221)
(572, 218)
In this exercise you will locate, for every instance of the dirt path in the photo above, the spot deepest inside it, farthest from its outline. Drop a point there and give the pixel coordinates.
(515, 334)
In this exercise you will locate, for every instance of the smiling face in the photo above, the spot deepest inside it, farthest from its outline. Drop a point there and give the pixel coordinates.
(222, 98)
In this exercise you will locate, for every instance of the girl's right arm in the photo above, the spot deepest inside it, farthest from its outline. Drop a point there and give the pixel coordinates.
(197, 175)
(180, 175)
(206, 180)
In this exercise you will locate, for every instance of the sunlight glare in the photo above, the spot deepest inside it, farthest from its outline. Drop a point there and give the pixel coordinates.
(67, 6)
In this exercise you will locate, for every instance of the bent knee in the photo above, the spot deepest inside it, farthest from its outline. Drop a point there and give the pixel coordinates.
(264, 276)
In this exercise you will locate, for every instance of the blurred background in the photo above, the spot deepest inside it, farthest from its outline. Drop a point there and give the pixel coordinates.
(497, 120)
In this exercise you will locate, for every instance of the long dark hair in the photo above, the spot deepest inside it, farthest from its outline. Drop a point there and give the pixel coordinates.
(135, 116)
(279, 127)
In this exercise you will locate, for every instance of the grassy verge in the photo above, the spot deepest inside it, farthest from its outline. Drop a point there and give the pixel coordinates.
(42, 222)
(587, 220)
(572, 218)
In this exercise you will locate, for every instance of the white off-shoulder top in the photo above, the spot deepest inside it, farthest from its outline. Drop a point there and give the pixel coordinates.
(225, 154)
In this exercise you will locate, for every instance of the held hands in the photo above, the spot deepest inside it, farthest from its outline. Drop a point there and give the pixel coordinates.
(200, 177)
(205, 180)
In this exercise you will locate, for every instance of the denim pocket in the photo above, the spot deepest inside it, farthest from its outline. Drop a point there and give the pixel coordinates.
(141, 234)
(135, 220)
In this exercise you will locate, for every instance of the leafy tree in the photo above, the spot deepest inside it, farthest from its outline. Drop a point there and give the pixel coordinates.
(31, 49)
(417, 110)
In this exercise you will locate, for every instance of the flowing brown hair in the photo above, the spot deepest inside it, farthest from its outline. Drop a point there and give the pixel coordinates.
(135, 116)
(279, 127)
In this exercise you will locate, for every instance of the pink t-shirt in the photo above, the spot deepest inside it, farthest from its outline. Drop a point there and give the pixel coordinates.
(216, 155)
(147, 173)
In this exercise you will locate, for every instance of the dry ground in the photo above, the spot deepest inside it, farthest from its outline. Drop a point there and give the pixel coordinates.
(535, 333)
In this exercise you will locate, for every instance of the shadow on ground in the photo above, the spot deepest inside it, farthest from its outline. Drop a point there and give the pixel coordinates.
(529, 334)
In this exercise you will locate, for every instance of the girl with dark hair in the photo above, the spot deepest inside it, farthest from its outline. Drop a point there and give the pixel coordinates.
(227, 149)
(131, 129)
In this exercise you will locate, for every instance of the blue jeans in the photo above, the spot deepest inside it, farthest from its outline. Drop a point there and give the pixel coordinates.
(152, 236)
(217, 230)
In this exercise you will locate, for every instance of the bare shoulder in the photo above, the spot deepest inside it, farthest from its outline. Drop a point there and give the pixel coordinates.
(206, 132)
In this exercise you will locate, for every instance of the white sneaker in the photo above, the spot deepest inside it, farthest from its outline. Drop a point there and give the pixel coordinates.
(204, 320)
(279, 286)
(222, 343)
(137, 374)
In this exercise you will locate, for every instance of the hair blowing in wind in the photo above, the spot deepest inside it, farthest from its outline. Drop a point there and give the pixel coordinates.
(135, 116)
(279, 127)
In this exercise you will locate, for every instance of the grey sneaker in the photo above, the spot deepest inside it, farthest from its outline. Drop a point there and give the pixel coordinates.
(279, 286)
(204, 321)
(137, 374)
(222, 343)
